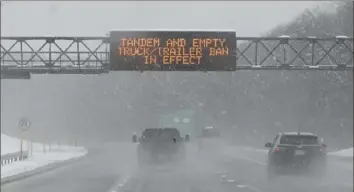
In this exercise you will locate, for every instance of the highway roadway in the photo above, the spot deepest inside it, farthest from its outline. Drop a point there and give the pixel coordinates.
(112, 168)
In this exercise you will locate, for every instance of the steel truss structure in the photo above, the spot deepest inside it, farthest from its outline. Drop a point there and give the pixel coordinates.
(22, 56)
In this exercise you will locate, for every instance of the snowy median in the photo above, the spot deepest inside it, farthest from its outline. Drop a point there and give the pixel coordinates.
(40, 158)
(344, 154)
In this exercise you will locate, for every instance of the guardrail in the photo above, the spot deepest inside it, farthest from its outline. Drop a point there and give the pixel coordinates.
(13, 157)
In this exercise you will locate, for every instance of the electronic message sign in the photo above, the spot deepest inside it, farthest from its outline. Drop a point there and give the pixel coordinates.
(173, 50)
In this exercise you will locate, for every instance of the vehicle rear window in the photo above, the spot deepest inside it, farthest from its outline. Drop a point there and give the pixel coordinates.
(210, 133)
(299, 140)
(149, 133)
(161, 134)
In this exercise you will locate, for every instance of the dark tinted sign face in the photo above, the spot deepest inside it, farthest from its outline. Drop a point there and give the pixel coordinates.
(173, 50)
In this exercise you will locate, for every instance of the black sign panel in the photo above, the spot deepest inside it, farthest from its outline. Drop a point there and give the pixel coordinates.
(173, 50)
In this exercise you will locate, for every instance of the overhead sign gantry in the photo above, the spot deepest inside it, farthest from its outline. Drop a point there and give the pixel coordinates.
(170, 51)
(173, 50)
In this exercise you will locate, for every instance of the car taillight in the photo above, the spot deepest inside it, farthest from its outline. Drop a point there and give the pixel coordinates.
(277, 149)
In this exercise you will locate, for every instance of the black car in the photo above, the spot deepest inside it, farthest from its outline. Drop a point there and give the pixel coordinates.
(296, 152)
(160, 145)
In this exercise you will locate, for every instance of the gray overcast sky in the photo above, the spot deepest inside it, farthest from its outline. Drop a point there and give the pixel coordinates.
(96, 18)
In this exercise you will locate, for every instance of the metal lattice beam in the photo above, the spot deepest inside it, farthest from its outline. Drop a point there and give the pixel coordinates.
(57, 55)
(90, 55)
(303, 53)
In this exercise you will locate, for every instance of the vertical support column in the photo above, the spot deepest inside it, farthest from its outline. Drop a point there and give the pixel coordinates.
(106, 64)
(21, 49)
(50, 54)
(78, 52)
(21, 149)
(313, 42)
(284, 41)
(284, 53)
(50, 41)
(256, 52)
(31, 146)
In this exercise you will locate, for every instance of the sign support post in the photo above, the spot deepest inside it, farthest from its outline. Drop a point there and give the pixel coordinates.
(24, 124)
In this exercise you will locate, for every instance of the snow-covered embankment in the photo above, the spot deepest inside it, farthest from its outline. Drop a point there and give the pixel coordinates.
(38, 158)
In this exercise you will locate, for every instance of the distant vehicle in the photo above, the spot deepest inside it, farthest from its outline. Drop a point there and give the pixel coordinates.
(208, 138)
(210, 132)
(160, 145)
(296, 152)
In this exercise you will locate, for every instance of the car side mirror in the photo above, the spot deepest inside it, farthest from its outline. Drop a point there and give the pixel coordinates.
(186, 138)
(134, 139)
(324, 145)
(268, 145)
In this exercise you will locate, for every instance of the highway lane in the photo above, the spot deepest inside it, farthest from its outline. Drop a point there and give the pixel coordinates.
(250, 167)
(93, 173)
(105, 167)
(207, 171)
(199, 173)
(212, 170)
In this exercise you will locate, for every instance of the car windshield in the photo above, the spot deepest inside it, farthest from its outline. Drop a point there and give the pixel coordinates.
(299, 140)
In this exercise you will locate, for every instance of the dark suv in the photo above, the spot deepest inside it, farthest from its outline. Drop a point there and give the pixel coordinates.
(296, 152)
(160, 145)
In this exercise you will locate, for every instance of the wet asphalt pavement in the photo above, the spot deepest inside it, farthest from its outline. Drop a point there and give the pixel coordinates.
(112, 167)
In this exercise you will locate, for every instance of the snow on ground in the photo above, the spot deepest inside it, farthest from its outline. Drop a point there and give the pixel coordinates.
(38, 160)
(12, 145)
(343, 153)
(38, 157)
(9, 144)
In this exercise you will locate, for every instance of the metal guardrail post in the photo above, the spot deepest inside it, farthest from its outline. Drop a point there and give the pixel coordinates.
(13, 157)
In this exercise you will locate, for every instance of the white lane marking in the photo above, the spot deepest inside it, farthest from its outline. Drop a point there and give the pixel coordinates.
(255, 189)
(239, 185)
(119, 184)
(124, 181)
